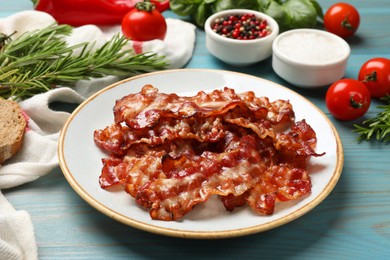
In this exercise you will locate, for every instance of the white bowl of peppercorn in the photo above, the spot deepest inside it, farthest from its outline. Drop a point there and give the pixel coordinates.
(240, 37)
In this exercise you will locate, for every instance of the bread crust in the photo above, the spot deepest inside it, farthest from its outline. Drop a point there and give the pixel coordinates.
(12, 129)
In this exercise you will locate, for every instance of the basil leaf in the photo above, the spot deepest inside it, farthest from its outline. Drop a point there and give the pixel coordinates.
(277, 12)
(299, 14)
(289, 14)
(201, 14)
(182, 8)
(221, 5)
(187, 2)
(263, 4)
(318, 8)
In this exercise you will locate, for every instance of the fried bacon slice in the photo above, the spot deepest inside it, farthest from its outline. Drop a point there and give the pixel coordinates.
(192, 179)
(171, 153)
(278, 183)
(146, 108)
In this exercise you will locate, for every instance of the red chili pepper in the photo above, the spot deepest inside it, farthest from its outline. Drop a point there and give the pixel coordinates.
(99, 12)
(161, 5)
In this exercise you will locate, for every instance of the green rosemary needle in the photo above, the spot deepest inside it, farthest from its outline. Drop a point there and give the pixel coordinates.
(40, 60)
(377, 127)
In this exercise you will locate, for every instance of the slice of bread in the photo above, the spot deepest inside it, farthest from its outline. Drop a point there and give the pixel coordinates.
(12, 129)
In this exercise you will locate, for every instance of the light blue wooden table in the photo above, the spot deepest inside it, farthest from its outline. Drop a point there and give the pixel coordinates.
(353, 222)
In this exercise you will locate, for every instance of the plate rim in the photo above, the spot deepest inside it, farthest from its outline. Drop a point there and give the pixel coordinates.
(187, 233)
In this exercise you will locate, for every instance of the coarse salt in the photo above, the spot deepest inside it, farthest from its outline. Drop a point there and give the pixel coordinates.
(310, 48)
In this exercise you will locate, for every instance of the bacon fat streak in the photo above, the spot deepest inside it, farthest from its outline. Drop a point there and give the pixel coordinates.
(171, 152)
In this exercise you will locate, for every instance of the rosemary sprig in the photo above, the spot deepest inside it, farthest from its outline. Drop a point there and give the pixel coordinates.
(40, 60)
(377, 127)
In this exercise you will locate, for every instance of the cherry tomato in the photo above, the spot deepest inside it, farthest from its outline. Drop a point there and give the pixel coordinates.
(348, 99)
(342, 19)
(144, 23)
(375, 74)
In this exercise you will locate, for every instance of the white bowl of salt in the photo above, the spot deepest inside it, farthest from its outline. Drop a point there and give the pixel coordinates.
(310, 58)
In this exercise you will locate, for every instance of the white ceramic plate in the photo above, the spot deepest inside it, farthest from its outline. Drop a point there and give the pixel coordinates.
(80, 158)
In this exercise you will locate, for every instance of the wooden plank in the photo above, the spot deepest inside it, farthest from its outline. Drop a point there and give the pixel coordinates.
(352, 223)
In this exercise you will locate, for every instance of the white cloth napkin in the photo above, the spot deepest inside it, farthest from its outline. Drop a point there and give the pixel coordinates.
(17, 239)
(37, 157)
(39, 153)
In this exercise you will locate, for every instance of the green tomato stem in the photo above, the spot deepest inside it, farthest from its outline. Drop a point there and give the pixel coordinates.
(146, 6)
